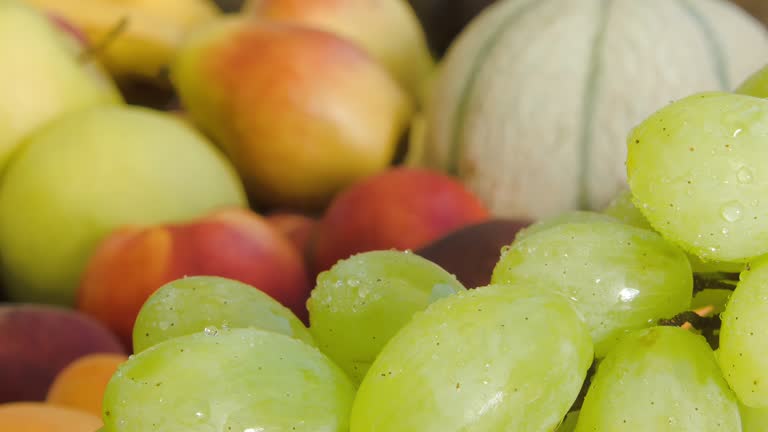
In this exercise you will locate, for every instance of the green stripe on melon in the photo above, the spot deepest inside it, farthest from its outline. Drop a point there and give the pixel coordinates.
(533, 101)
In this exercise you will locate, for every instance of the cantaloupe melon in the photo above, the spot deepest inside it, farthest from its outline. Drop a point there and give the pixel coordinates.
(533, 101)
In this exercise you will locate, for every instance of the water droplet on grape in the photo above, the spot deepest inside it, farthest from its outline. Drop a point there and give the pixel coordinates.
(724, 231)
(744, 175)
(353, 282)
(163, 325)
(731, 212)
(211, 331)
(737, 132)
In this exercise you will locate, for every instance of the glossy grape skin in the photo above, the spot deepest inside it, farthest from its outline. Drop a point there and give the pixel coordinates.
(743, 352)
(223, 380)
(189, 305)
(363, 300)
(569, 422)
(624, 209)
(574, 216)
(756, 84)
(661, 379)
(494, 358)
(619, 277)
(698, 171)
(753, 419)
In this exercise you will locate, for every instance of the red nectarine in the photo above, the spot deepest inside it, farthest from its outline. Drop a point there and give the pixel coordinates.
(133, 262)
(401, 208)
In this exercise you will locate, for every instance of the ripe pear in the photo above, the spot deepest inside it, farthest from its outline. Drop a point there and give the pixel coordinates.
(388, 29)
(87, 173)
(137, 38)
(301, 112)
(41, 76)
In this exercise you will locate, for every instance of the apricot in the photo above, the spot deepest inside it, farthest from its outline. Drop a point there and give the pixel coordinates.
(81, 384)
(42, 417)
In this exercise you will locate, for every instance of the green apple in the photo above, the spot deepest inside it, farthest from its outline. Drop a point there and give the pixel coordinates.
(86, 173)
(41, 76)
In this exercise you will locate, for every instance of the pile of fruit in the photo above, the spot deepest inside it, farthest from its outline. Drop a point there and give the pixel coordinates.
(219, 222)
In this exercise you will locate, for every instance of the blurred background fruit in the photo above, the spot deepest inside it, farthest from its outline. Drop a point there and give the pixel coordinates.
(134, 39)
(299, 228)
(84, 175)
(535, 135)
(133, 262)
(370, 25)
(443, 20)
(758, 8)
(42, 78)
(300, 112)
(401, 208)
(472, 251)
(43, 417)
(81, 384)
(38, 341)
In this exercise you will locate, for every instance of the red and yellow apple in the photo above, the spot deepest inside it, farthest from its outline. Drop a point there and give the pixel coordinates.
(301, 112)
(134, 261)
(388, 29)
(401, 208)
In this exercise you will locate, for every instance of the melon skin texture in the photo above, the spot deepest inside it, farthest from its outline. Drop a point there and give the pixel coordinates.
(534, 100)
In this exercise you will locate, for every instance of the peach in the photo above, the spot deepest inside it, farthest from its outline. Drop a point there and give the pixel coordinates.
(404, 52)
(470, 253)
(134, 261)
(302, 113)
(38, 341)
(42, 417)
(401, 208)
(81, 384)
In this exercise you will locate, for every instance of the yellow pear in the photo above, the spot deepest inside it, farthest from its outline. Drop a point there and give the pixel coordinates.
(41, 76)
(388, 29)
(136, 38)
(301, 112)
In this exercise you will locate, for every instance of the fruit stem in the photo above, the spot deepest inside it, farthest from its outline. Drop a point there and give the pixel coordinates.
(96, 49)
(702, 281)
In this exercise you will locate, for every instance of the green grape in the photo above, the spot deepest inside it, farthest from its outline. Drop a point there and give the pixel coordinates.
(717, 298)
(698, 170)
(495, 358)
(743, 353)
(360, 302)
(753, 419)
(563, 218)
(189, 305)
(659, 379)
(756, 84)
(569, 422)
(619, 277)
(240, 379)
(623, 209)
